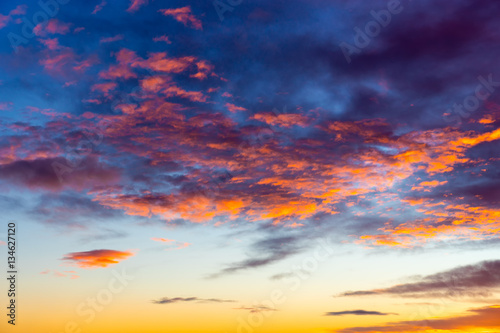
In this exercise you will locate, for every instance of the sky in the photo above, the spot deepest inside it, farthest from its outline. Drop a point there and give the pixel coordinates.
(320, 166)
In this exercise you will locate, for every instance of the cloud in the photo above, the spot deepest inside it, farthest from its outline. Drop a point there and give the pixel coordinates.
(111, 39)
(480, 279)
(51, 27)
(71, 274)
(477, 319)
(173, 244)
(358, 313)
(54, 174)
(5, 19)
(268, 251)
(163, 38)
(284, 120)
(234, 108)
(97, 258)
(281, 276)
(256, 309)
(136, 4)
(184, 16)
(167, 300)
(99, 7)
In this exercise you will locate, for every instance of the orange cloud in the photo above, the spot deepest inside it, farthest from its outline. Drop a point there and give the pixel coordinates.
(233, 108)
(97, 258)
(184, 16)
(284, 120)
(175, 245)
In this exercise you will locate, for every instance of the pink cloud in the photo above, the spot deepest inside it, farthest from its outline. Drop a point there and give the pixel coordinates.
(53, 26)
(136, 4)
(54, 62)
(51, 43)
(5, 19)
(165, 240)
(19, 10)
(183, 15)
(5, 105)
(105, 88)
(162, 39)
(99, 7)
(111, 39)
(175, 245)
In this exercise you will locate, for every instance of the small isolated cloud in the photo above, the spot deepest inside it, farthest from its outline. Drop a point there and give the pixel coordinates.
(183, 15)
(267, 251)
(136, 4)
(256, 309)
(51, 27)
(71, 274)
(358, 313)
(99, 7)
(111, 39)
(162, 39)
(5, 19)
(167, 300)
(281, 276)
(5, 105)
(97, 258)
(173, 244)
(480, 279)
(234, 108)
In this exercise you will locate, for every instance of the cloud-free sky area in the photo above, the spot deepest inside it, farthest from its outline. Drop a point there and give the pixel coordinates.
(251, 166)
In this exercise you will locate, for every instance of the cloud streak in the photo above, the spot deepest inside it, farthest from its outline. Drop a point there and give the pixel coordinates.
(479, 318)
(167, 300)
(480, 279)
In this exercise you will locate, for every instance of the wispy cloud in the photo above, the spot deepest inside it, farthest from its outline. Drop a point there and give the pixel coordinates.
(480, 279)
(183, 15)
(167, 300)
(358, 313)
(480, 318)
(256, 309)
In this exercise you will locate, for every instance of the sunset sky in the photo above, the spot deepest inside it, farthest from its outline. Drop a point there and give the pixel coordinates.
(299, 166)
